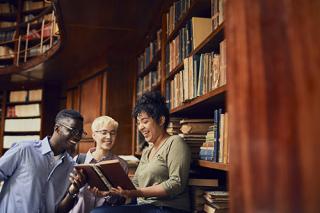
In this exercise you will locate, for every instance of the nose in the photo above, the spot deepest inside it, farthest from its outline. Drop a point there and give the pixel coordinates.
(108, 135)
(140, 126)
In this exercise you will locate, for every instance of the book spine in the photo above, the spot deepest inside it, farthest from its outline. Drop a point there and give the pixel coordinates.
(102, 177)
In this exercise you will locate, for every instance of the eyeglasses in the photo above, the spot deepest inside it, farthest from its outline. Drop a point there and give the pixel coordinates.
(106, 132)
(74, 131)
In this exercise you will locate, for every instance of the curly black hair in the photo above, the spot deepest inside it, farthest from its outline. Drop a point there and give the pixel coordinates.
(153, 103)
(68, 113)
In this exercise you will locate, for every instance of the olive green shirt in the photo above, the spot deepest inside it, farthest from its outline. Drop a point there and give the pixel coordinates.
(169, 168)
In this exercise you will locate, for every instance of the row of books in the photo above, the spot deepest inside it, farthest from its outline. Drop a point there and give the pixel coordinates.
(6, 52)
(196, 30)
(25, 95)
(216, 146)
(4, 24)
(193, 131)
(7, 35)
(7, 8)
(27, 6)
(22, 125)
(26, 110)
(217, 13)
(216, 202)
(176, 11)
(33, 5)
(148, 81)
(149, 53)
(200, 75)
(9, 140)
(206, 196)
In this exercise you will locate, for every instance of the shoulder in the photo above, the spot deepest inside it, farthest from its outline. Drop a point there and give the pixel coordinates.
(175, 142)
(27, 145)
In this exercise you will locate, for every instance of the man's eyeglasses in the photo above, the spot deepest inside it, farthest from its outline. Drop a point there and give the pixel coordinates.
(106, 132)
(74, 131)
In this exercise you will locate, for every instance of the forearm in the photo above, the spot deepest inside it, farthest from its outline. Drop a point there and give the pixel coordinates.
(67, 203)
(151, 191)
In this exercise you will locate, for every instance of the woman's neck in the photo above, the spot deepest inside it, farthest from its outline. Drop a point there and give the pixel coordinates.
(98, 154)
(160, 139)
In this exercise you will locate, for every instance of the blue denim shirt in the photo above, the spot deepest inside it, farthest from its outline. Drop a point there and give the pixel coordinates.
(33, 180)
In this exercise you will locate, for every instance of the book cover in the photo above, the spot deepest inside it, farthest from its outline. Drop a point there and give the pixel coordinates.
(106, 174)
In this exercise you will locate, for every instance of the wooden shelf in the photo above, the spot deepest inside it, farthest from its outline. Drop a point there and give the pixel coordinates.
(153, 65)
(23, 103)
(10, 17)
(21, 133)
(27, 117)
(202, 105)
(213, 165)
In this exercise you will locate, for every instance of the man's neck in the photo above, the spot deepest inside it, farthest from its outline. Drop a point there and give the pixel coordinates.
(56, 149)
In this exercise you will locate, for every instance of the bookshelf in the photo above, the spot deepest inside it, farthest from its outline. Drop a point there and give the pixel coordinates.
(22, 116)
(193, 50)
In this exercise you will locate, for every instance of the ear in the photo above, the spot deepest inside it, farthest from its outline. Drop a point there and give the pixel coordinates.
(162, 120)
(94, 136)
(57, 129)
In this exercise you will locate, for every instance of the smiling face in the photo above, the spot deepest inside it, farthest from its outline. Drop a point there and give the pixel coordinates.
(105, 136)
(70, 132)
(149, 127)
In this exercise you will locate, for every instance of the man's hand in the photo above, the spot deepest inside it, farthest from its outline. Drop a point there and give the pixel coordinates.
(77, 180)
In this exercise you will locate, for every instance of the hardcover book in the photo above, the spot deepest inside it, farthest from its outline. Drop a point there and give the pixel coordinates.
(106, 174)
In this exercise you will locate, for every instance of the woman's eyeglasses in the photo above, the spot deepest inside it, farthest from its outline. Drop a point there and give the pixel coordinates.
(106, 132)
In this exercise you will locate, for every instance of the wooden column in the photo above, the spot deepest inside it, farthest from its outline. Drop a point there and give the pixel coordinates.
(273, 50)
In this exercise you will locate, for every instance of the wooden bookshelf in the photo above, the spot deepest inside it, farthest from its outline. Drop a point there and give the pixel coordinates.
(14, 116)
(213, 165)
(208, 44)
(197, 8)
(152, 65)
(199, 105)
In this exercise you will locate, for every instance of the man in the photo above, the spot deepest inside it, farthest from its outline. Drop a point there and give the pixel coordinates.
(35, 173)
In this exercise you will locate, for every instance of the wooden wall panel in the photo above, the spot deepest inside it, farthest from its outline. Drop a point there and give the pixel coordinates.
(119, 104)
(273, 51)
(69, 101)
(91, 100)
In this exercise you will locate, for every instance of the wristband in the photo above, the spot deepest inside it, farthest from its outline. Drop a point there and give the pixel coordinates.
(72, 195)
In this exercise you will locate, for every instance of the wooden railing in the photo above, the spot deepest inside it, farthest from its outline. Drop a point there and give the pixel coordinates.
(42, 33)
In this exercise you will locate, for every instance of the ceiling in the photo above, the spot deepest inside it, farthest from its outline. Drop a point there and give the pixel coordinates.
(97, 32)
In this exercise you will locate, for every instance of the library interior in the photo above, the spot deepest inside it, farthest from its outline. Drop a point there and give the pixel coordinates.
(239, 78)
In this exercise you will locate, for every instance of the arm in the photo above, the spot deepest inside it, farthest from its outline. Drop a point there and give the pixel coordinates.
(9, 162)
(77, 180)
(178, 163)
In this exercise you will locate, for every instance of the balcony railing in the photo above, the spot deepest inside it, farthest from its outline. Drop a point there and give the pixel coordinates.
(34, 38)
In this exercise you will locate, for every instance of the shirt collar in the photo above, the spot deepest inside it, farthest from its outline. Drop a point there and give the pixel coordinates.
(46, 148)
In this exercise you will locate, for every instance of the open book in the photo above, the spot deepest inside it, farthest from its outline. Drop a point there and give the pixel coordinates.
(106, 174)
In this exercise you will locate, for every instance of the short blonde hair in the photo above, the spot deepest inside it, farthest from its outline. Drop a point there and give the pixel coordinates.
(102, 121)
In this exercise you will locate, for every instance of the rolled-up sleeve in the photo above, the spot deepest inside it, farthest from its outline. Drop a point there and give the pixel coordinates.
(178, 162)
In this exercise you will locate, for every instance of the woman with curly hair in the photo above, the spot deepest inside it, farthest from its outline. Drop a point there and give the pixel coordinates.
(162, 175)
